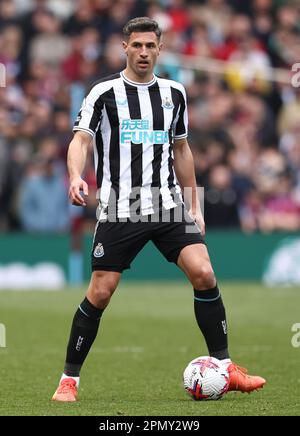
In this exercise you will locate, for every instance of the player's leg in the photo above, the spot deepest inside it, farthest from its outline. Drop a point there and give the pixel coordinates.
(208, 305)
(115, 246)
(87, 319)
(181, 242)
(84, 330)
(210, 314)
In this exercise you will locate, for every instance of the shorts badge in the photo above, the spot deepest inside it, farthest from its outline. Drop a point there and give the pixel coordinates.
(99, 251)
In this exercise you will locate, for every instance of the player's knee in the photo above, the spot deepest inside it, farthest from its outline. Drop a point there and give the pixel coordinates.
(101, 290)
(100, 295)
(204, 277)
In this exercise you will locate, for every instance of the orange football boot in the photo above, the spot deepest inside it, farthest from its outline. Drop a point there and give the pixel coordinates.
(240, 381)
(66, 391)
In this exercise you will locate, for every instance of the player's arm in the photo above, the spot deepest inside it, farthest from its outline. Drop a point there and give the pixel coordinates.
(185, 173)
(77, 154)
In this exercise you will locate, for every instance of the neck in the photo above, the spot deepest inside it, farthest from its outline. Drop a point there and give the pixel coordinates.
(136, 78)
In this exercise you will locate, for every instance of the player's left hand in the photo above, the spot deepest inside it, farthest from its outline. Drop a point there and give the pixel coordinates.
(199, 220)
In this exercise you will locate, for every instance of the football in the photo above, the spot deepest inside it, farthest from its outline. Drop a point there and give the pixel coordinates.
(206, 378)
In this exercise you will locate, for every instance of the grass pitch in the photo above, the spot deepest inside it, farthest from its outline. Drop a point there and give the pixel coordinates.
(146, 338)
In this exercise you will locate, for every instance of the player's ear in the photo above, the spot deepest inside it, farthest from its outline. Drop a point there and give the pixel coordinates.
(125, 46)
(160, 47)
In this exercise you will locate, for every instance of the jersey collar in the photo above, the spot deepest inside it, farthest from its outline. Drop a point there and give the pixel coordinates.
(130, 82)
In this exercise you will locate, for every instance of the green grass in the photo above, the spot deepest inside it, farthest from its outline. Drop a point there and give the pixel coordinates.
(146, 338)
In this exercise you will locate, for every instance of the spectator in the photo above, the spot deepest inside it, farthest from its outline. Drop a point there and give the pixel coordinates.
(244, 129)
(220, 204)
(43, 199)
(50, 46)
(282, 212)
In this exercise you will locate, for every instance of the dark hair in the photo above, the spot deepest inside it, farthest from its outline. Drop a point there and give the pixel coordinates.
(141, 24)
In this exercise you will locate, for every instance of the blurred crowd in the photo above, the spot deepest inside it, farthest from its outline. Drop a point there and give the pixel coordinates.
(244, 129)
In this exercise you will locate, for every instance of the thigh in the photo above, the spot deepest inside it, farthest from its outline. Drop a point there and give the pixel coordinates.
(116, 244)
(195, 263)
(192, 256)
(179, 232)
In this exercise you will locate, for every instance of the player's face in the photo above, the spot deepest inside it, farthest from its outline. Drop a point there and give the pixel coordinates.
(142, 49)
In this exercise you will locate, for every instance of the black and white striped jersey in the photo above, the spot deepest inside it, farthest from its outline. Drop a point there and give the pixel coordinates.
(134, 126)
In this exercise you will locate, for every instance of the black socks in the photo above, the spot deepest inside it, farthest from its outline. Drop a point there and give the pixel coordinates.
(209, 312)
(83, 333)
(211, 319)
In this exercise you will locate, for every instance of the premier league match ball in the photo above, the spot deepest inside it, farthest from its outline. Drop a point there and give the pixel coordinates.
(206, 378)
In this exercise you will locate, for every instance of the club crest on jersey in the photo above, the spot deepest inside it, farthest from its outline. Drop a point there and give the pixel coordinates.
(167, 103)
(99, 251)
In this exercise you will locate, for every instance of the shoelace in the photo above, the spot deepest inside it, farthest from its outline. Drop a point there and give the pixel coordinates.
(66, 386)
(240, 369)
(243, 372)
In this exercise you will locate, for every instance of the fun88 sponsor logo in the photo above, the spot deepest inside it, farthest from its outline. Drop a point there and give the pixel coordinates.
(139, 132)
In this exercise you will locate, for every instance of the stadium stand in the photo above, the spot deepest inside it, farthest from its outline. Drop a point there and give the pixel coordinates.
(235, 60)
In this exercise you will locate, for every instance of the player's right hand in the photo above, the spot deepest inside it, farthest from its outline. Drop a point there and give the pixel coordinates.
(77, 185)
